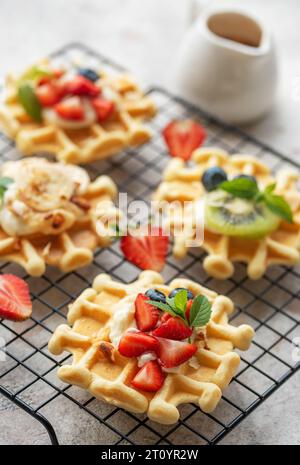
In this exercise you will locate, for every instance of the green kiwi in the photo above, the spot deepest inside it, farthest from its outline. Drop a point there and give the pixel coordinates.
(233, 216)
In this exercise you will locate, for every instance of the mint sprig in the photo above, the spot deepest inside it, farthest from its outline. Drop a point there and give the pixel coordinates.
(240, 187)
(247, 189)
(30, 102)
(200, 312)
(4, 184)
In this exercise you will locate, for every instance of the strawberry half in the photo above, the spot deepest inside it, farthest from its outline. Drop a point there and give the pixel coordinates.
(173, 353)
(15, 303)
(148, 252)
(183, 137)
(81, 86)
(133, 344)
(149, 378)
(173, 328)
(146, 316)
(70, 108)
(103, 108)
(48, 94)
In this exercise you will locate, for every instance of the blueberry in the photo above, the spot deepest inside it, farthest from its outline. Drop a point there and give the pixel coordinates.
(246, 176)
(212, 177)
(190, 295)
(89, 74)
(156, 295)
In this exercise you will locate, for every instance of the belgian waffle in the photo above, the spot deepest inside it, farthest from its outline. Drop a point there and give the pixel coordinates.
(69, 248)
(90, 318)
(181, 182)
(81, 146)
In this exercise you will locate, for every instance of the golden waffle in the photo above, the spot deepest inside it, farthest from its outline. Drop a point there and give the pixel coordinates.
(90, 318)
(181, 182)
(96, 142)
(72, 247)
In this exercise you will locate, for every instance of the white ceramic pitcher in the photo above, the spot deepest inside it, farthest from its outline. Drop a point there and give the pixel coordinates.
(227, 65)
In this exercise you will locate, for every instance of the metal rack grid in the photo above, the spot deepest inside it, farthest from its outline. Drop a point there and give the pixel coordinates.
(270, 305)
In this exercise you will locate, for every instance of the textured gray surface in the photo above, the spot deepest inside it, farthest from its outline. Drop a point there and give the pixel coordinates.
(132, 32)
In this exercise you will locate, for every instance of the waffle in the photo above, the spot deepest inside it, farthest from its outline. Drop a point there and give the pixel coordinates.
(181, 182)
(69, 248)
(90, 318)
(80, 146)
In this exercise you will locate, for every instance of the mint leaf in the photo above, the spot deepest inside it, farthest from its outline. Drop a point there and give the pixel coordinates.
(240, 187)
(177, 310)
(30, 102)
(163, 307)
(4, 183)
(181, 299)
(279, 206)
(269, 189)
(200, 311)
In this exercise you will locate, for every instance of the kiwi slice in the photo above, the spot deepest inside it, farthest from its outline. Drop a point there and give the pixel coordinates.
(233, 216)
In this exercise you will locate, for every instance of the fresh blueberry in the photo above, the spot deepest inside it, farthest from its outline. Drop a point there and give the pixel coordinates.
(89, 74)
(246, 176)
(190, 295)
(156, 295)
(212, 177)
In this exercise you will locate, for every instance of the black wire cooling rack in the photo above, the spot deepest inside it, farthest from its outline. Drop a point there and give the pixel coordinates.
(270, 305)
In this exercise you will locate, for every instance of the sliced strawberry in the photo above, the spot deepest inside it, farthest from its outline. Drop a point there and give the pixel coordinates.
(80, 85)
(70, 108)
(103, 108)
(146, 316)
(55, 74)
(149, 378)
(15, 303)
(48, 94)
(183, 137)
(146, 251)
(173, 353)
(188, 309)
(165, 317)
(173, 328)
(133, 344)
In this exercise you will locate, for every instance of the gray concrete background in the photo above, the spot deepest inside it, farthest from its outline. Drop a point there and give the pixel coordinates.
(143, 35)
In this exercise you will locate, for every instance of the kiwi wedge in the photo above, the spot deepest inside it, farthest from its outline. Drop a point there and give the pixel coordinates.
(233, 216)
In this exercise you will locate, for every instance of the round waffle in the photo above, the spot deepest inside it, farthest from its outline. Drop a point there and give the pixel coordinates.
(182, 182)
(109, 378)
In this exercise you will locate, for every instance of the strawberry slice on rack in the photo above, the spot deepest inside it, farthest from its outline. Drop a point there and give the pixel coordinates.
(15, 303)
(173, 353)
(183, 137)
(49, 94)
(173, 328)
(135, 343)
(71, 108)
(146, 316)
(147, 251)
(149, 378)
(103, 108)
(80, 85)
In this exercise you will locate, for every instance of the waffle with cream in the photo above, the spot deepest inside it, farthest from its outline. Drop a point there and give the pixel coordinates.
(52, 213)
(78, 140)
(102, 314)
(182, 182)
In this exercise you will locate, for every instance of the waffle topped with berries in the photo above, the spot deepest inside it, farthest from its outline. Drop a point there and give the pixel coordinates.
(248, 215)
(52, 213)
(78, 115)
(148, 347)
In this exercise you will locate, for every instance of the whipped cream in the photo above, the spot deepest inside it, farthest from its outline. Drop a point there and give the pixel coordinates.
(123, 319)
(145, 358)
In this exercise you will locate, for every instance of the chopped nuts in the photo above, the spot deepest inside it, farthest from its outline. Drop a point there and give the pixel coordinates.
(107, 350)
(80, 202)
